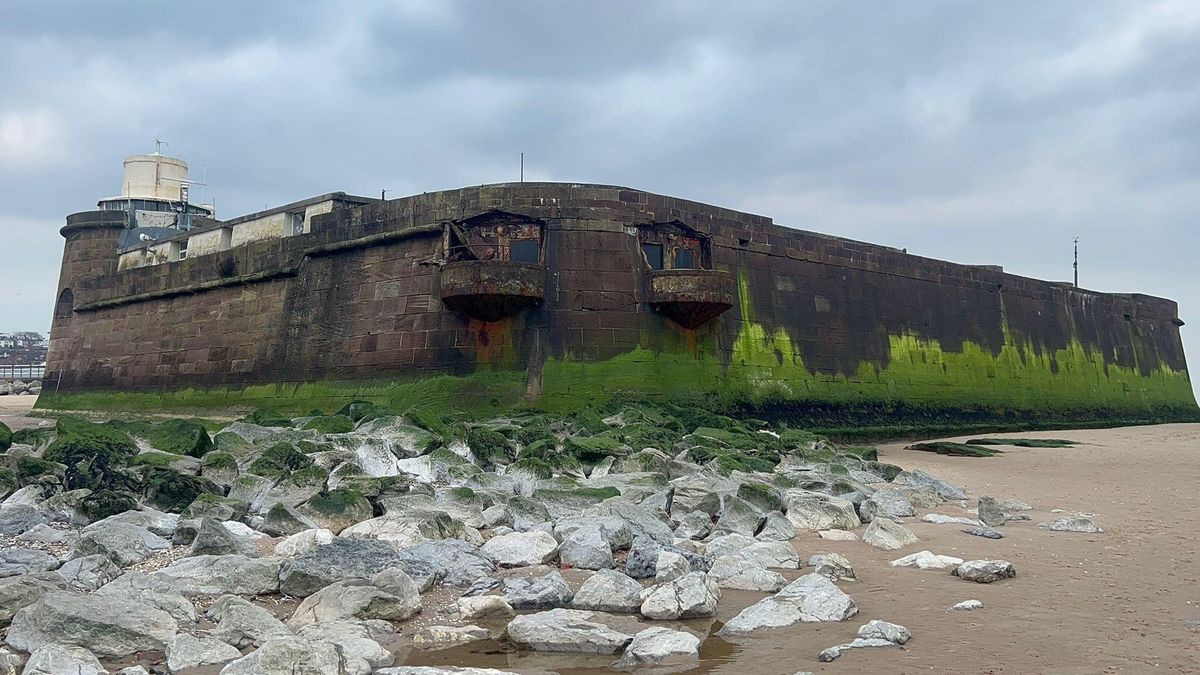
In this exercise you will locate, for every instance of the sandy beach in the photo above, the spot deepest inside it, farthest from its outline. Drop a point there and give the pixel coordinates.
(1124, 601)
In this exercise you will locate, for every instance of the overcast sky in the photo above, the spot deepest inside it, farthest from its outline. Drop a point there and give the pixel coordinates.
(979, 132)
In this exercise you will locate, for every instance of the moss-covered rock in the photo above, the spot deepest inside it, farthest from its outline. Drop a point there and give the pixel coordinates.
(8, 482)
(6, 435)
(592, 449)
(176, 436)
(267, 418)
(588, 421)
(534, 466)
(336, 510)
(172, 491)
(643, 460)
(279, 460)
(363, 411)
(37, 437)
(761, 495)
(30, 468)
(572, 500)
(164, 460)
(330, 424)
(430, 420)
(216, 507)
(490, 446)
(101, 504)
(94, 455)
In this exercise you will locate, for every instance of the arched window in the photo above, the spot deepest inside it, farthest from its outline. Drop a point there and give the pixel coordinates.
(65, 305)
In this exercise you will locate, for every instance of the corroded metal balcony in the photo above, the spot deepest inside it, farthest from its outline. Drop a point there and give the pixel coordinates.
(691, 298)
(490, 290)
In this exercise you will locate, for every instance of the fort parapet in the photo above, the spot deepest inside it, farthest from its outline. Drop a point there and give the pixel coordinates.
(558, 295)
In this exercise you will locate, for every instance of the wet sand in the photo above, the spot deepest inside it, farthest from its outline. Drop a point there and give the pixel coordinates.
(1125, 601)
(14, 411)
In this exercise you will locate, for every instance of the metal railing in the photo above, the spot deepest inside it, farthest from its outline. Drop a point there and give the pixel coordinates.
(22, 372)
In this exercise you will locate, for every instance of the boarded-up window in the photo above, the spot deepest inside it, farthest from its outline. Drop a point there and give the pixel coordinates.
(495, 235)
(685, 259)
(525, 250)
(654, 255)
(65, 305)
(673, 246)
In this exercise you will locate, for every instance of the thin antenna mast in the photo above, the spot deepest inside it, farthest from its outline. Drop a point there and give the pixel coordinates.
(522, 167)
(1076, 262)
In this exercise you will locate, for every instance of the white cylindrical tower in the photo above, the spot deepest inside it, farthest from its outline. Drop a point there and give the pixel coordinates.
(154, 177)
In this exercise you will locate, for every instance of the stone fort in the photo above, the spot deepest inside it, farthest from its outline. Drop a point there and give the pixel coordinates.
(560, 295)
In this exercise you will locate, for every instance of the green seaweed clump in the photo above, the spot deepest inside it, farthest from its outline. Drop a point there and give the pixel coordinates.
(30, 467)
(172, 491)
(93, 453)
(267, 418)
(36, 437)
(101, 504)
(1024, 442)
(364, 411)
(6, 437)
(489, 445)
(954, 449)
(279, 460)
(330, 424)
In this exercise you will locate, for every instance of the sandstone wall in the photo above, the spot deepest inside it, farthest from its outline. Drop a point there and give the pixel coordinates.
(821, 326)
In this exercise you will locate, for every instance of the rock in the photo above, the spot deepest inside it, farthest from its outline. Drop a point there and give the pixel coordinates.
(566, 630)
(968, 605)
(24, 590)
(282, 520)
(20, 518)
(735, 572)
(776, 527)
(134, 670)
(14, 561)
(641, 521)
(398, 532)
(837, 535)
(887, 534)
(358, 599)
(835, 651)
(56, 659)
(739, 516)
(670, 566)
(358, 642)
(219, 574)
(521, 549)
(1014, 505)
(811, 598)
(291, 655)
(213, 539)
(490, 607)
(158, 522)
(549, 591)
(939, 519)
(108, 626)
(152, 591)
(695, 525)
(302, 542)
(920, 479)
(123, 543)
(242, 623)
(886, 502)
(457, 562)
(1076, 523)
(883, 630)
(927, 560)
(341, 559)
(990, 512)
(434, 637)
(833, 566)
(336, 510)
(985, 571)
(188, 651)
(526, 513)
(809, 510)
(609, 591)
(585, 550)
(657, 644)
(10, 662)
(983, 532)
(440, 670)
(690, 596)
(772, 554)
(44, 534)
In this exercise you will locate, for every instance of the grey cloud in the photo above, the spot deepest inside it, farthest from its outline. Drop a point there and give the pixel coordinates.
(978, 132)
